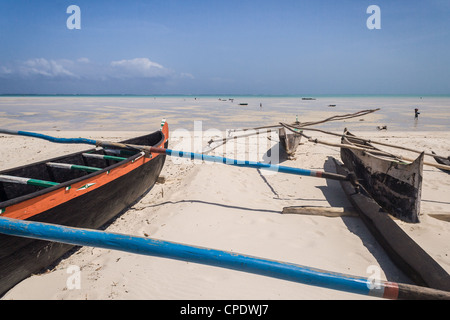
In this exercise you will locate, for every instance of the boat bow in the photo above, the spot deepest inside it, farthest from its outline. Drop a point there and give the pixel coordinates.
(395, 184)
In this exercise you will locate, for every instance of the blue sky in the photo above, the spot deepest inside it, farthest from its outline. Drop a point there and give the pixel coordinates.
(225, 47)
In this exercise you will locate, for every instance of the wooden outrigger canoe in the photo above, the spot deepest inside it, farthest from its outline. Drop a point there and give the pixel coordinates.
(84, 189)
(406, 254)
(289, 141)
(445, 162)
(396, 185)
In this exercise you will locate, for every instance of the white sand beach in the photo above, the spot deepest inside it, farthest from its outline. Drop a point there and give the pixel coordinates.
(207, 232)
(237, 210)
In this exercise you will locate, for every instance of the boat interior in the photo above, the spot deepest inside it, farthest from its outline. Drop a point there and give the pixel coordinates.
(24, 180)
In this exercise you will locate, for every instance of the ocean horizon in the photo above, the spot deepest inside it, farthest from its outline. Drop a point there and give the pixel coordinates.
(231, 95)
(117, 112)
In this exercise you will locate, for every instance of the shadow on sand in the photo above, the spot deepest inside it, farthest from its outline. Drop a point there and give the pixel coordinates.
(337, 198)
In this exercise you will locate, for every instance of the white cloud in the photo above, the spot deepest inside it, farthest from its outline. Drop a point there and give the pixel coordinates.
(139, 68)
(46, 68)
(83, 68)
(137, 63)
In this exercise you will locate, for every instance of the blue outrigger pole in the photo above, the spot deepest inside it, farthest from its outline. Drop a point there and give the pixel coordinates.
(48, 138)
(217, 258)
(187, 155)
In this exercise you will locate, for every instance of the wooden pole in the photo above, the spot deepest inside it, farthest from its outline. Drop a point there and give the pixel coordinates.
(28, 181)
(377, 152)
(321, 211)
(369, 141)
(221, 141)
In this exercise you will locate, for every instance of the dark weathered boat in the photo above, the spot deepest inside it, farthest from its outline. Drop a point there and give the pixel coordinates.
(445, 162)
(289, 141)
(84, 189)
(396, 185)
(409, 257)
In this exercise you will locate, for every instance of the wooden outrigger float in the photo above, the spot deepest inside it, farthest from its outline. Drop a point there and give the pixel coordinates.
(85, 189)
(442, 161)
(404, 252)
(358, 155)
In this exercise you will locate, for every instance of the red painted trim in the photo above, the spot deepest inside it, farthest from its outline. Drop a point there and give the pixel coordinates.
(391, 290)
(34, 206)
